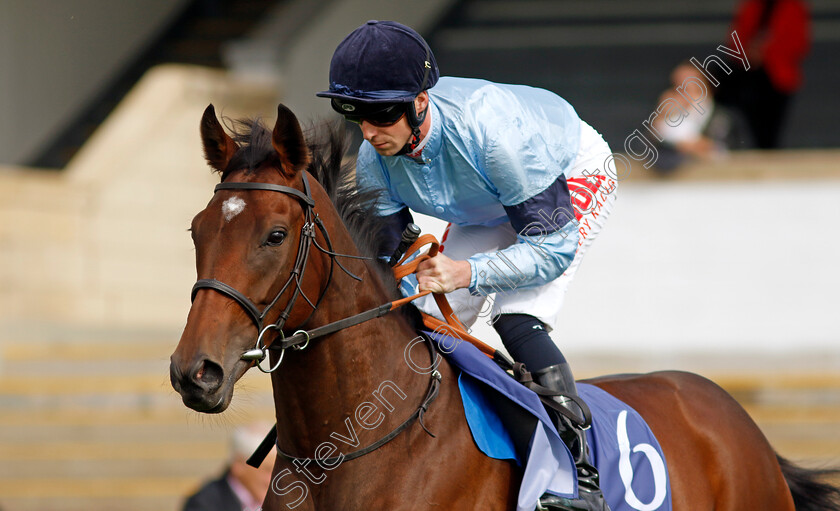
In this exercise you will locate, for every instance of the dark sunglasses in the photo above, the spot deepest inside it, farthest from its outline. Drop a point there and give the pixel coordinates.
(381, 117)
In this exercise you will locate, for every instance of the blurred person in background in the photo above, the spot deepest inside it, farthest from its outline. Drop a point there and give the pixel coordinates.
(695, 135)
(776, 36)
(240, 487)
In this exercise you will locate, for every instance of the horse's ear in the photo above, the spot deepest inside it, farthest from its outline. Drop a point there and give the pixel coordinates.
(219, 148)
(288, 141)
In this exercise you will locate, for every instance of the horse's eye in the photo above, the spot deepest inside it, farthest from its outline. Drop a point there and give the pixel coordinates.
(275, 238)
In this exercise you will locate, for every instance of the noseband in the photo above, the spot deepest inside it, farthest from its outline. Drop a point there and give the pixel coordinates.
(307, 238)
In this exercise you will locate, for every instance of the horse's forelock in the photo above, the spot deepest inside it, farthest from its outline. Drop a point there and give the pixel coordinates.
(254, 141)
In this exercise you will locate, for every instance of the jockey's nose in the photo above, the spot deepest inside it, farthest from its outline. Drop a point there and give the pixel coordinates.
(368, 130)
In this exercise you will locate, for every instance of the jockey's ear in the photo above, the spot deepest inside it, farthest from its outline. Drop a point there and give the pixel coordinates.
(289, 143)
(421, 102)
(219, 148)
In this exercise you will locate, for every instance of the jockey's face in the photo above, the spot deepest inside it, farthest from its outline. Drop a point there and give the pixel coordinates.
(388, 140)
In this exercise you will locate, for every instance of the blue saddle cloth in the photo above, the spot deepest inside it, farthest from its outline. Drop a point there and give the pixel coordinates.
(634, 476)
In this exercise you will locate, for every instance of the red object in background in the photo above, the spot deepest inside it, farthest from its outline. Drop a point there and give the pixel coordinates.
(778, 43)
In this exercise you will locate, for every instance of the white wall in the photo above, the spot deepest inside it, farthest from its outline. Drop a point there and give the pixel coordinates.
(717, 266)
(708, 267)
(55, 55)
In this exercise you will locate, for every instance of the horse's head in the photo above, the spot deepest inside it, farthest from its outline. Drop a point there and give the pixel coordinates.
(251, 244)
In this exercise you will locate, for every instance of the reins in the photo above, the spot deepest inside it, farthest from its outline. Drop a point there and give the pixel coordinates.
(402, 269)
(301, 338)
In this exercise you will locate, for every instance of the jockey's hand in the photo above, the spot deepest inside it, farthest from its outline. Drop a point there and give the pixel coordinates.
(441, 274)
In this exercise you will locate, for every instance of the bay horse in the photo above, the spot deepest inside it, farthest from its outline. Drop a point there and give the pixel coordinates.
(286, 244)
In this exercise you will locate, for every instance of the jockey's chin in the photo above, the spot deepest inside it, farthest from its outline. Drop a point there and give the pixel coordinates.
(387, 148)
(386, 144)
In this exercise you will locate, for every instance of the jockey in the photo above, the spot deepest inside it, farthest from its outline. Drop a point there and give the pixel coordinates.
(516, 173)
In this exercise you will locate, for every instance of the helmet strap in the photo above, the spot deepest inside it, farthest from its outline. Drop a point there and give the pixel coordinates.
(415, 120)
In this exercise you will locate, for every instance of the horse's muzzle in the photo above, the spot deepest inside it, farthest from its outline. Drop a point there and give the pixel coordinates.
(200, 387)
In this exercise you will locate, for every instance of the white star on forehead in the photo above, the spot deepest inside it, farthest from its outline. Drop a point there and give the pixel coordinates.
(232, 207)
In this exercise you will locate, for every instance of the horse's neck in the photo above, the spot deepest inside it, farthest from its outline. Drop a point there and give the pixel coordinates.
(358, 374)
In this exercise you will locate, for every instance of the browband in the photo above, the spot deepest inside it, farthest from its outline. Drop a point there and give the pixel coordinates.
(270, 187)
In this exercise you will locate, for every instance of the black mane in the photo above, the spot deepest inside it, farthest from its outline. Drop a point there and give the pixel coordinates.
(337, 174)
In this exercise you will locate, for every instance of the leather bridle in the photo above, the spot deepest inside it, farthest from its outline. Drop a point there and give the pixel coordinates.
(307, 239)
(300, 339)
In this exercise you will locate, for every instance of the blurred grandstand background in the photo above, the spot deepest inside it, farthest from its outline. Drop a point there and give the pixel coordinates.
(727, 268)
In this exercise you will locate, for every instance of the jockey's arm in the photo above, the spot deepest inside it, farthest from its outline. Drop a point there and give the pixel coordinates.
(546, 242)
(547, 239)
(534, 260)
(515, 159)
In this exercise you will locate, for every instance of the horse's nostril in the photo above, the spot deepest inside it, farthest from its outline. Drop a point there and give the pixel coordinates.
(208, 375)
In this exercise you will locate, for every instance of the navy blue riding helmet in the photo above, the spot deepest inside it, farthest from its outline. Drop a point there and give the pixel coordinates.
(377, 71)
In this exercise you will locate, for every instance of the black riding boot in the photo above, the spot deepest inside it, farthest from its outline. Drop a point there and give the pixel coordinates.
(559, 377)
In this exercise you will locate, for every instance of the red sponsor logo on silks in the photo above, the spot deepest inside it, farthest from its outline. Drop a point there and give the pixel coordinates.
(445, 235)
(583, 192)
